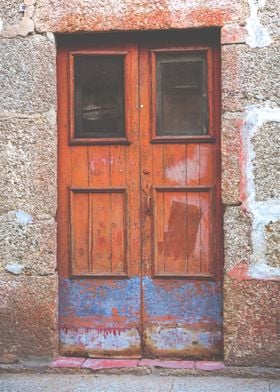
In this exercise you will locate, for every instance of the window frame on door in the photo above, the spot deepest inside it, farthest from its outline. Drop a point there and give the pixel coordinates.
(125, 140)
(209, 137)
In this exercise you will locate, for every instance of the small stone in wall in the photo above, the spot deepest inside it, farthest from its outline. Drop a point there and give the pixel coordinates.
(8, 358)
(14, 268)
(272, 236)
(23, 218)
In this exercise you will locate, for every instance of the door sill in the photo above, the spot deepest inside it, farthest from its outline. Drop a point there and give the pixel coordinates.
(113, 363)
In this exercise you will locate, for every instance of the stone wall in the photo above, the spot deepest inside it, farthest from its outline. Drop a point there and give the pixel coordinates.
(28, 280)
(250, 161)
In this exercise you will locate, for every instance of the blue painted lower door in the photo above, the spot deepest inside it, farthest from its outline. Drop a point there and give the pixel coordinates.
(100, 318)
(182, 319)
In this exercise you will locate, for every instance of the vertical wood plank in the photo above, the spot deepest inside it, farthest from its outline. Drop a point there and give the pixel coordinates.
(64, 165)
(147, 162)
(194, 213)
(159, 233)
(118, 233)
(101, 233)
(132, 168)
(99, 166)
(79, 166)
(175, 232)
(193, 161)
(175, 164)
(118, 165)
(206, 232)
(157, 164)
(80, 233)
(206, 178)
(194, 233)
(206, 164)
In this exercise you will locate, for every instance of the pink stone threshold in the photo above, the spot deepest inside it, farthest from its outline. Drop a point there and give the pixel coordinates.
(96, 364)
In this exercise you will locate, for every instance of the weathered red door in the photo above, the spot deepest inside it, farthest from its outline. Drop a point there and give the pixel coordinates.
(139, 196)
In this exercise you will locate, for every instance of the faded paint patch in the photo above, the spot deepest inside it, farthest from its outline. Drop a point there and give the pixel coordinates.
(262, 212)
(96, 340)
(183, 170)
(23, 218)
(181, 339)
(177, 172)
(258, 35)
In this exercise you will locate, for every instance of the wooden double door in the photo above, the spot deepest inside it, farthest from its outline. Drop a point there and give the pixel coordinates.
(139, 227)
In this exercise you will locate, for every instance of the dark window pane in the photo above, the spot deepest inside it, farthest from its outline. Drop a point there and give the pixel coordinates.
(181, 95)
(99, 96)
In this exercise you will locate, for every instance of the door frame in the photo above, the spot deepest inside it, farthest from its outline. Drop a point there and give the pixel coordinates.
(196, 39)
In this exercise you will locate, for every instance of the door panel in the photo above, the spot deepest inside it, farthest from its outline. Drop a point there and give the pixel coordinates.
(99, 213)
(98, 231)
(182, 297)
(139, 244)
(182, 231)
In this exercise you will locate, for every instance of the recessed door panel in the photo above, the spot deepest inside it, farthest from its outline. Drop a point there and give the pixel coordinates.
(183, 231)
(98, 231)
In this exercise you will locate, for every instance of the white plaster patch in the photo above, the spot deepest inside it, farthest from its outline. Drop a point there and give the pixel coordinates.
(1, 25)
(51, 37)
(258, 35)
(14, 268)
(23, 218)
(263, 212)
(51, 116)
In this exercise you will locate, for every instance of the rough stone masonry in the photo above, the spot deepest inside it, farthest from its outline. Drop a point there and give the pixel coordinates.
(250, 162)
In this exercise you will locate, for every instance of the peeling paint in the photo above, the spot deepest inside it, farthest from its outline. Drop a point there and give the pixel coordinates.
(23, 218)
(262, 212)
(182, 339)
(258, 35)
(99, 302)
(105, 316)
(99, 340)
